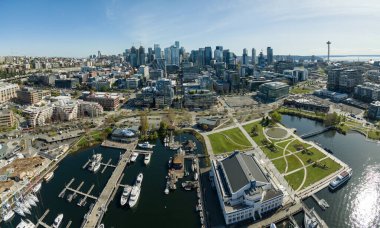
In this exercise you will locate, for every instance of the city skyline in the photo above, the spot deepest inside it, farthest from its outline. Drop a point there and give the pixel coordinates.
(290, 27)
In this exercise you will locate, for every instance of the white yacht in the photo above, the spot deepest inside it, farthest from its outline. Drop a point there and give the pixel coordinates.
(145, 145)
(19, 211)
(57, 221)
(147, 159)
(126, 193)
(134, 156)
(30, 201)
(310, 220)
(96, 167)
(135, 193)
(342, 178)
(34, 198)
(37, 187)
(95, 162)
(22, 207)
(49, 176)
(8, 215)
(25, 224)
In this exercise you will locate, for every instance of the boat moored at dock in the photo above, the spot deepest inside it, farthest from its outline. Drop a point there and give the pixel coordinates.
(342, 178)
(25, 224)
(135, 193)
(134, 156)
(145, 145)
(147, 158)
(125, 195)
(37, 187)
(49, 176)
(57, 221)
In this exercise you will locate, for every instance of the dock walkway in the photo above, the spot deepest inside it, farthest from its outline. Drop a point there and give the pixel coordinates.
(96, 213)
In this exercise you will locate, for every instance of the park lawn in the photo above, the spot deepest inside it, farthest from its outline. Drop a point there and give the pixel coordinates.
(284, 143)
(280, 164)
(260, 135)
(293, 163)
(272, 154)
(221, 144)
(315, 174)
(315, 156)
(295, 179)
(296, 142)
(298, 90)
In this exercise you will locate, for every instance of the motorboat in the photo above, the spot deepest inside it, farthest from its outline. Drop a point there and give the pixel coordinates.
(272, 225)
(342, 178)
(135, 193)
(25, 224)
(57, 221)
(49, 176)
(147, 159)
(26, 204)
(34, 198)
(125, 195)
(145, 145)
(22, 207)
(19, 211)
(37, 187)
(96, 167)
(8, 215)
(101, 226)
(195, 176)
(134, 156)
(170, 162)
(310, 220)
(30, 201)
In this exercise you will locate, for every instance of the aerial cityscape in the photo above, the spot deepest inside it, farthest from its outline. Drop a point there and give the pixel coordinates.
(114, 115)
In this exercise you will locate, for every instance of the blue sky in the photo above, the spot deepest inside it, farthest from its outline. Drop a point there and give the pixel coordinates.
(82, 27)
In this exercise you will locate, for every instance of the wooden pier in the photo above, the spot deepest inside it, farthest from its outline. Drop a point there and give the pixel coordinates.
(76, 191)
(95, 215)
(83, 200)
(62, 193)
(40, 221)
(70, 198)
(143, 151)
(321, 202)
(108, 164)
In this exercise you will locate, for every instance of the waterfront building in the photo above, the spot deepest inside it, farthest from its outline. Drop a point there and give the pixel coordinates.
(367, 92)
(306, 103)
(7, 119)
(199, 99)
(243, 188)
(7, 92)
(109, 101)
(124, 135)
(374, 110)
(210, 123)
(273, 91)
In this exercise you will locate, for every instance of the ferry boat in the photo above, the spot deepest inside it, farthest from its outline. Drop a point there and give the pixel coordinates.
(49, 176)
(145, 145)
(342, 178)
(57, 221)
(37, 187)
(134, 156)
(25, 224)
(147, 159)
(126, 193)
(8, 215)
(135, 193)
(309, 220)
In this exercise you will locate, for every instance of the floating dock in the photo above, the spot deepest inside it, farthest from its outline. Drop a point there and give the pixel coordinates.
(95, 215)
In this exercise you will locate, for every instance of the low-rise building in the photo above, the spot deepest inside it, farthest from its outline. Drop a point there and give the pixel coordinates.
(335, 96)
(199, 99)
(125, 135)
(109, 101)
(306, 103)
(38, 116)
(69, 83)
(243, 188)
(8, 92)
(87, 108)
(374, 110)
(7, 118)
(31, 96)
(367, 92)
(273, 91)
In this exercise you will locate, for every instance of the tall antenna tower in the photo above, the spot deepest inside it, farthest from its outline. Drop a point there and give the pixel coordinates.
(328, 51)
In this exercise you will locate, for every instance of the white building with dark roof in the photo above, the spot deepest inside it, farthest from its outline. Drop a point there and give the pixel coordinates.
(243, 188)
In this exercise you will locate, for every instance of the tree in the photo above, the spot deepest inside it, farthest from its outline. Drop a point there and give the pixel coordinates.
(163, 129)
(276, 117)
(143, 123)
(332, 119)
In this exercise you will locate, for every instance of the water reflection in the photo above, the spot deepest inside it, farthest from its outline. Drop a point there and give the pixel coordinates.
(365, 199)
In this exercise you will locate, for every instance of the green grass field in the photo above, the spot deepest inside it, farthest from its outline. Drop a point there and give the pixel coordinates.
(235, 141)
(315, 174)
(295, 179)
(315, 156)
